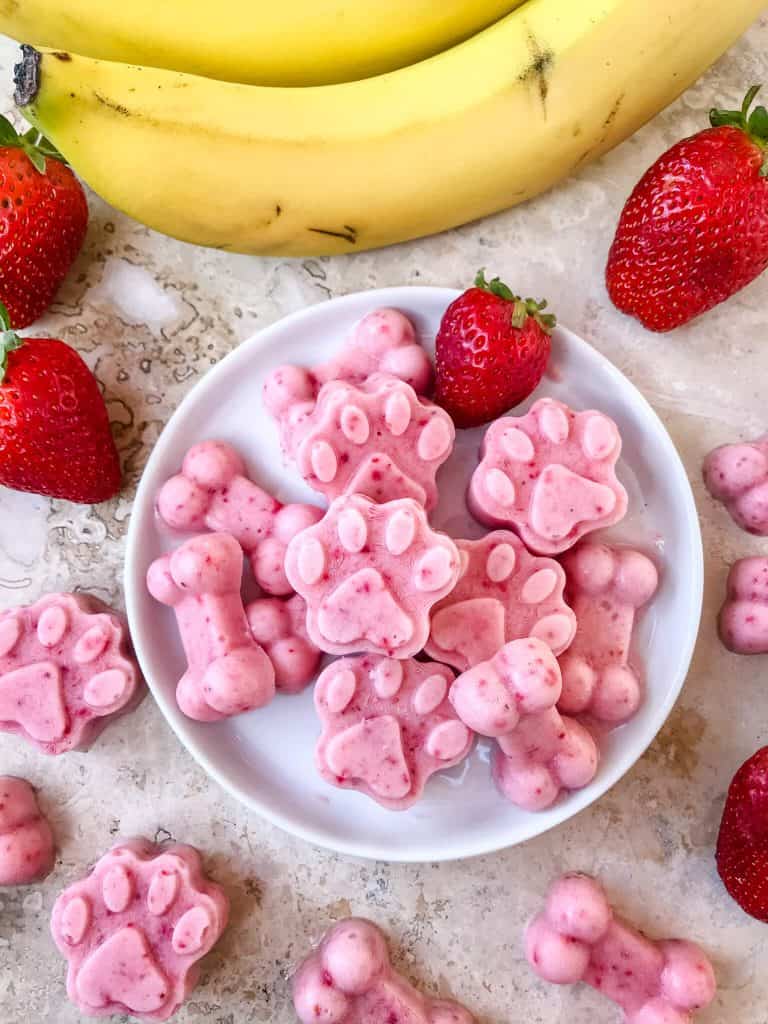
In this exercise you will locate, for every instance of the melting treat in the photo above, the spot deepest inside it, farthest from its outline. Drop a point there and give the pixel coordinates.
(737, 475)
(26, 840)
(743, 620)
(279, 626)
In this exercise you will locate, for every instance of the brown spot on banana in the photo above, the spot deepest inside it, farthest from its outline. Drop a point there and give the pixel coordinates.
(106, 102)
(349, 234)
(541, 63)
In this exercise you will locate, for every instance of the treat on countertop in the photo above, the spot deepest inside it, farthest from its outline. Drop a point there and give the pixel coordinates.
(228, 672)
(133, 930)
(387, 726)
(26, 841)
(66, 670)
(279, 626)
(577, 938)
(743, 620)
(742, 841)
(737, 475)
(550, 474)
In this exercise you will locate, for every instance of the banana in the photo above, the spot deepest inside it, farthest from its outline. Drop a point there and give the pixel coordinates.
(304, 42)
(343, 168)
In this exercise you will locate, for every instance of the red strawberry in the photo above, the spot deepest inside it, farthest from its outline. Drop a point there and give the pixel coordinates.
(54, 429)
(43, 219)
(491, 352)
(742, 846)
(695, 229)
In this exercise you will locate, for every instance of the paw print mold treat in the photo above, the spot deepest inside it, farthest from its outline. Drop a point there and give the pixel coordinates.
(577, 938)
(134, 929)
(228, 672)
(66, 670)
(370, 575)
(349, 979)
(504, 593)
(737, 475)
(279, 626)
(743, 621)
(387, 726)
(212, 492)
(606, 587)
(550, 474)
(26, 840)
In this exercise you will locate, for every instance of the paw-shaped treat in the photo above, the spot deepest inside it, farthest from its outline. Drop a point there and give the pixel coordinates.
(228, 672)
(504, 593)
(370, 574)
(279, 625)
(387, 726)
(133, 930)
(550, 474)
(577, 938)
(26, 840)
(743, 620)
(66, 670)
(737, 475)
(606, 586)
(212, 492)
(349, 979)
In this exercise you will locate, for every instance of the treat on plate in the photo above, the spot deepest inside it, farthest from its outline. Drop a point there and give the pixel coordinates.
(228, 672)
(387, 726)
(742, 842)
(606, 586)
(551, 475)
(212, 492)
(133, 930)
(504, 593)
(370, 575)
(26, 840)
(66, 670)
(279, 626)
(349, 979)
(577, 938)
(737, 475)
(743, 620)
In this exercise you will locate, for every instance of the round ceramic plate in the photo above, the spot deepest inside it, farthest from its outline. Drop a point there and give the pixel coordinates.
(265, 758)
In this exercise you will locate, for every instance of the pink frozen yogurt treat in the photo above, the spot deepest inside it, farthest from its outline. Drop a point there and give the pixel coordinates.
(133, 930)
(577, 938)
(26, 840)
(387, 726)
(228, 672)
(66, 670)
(550, 474)
(737, 475)
(279, 626)
(370, 575)
(743, 620)
(606, 587)
(504, 593)
(212, 492)
(349, 979)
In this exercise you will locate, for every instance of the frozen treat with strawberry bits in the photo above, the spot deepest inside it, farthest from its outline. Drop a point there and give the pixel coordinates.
(26, 840)
(279, 626)
(743, 621)
(737, 475)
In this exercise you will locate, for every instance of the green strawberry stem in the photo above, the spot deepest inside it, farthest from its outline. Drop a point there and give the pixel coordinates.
(9, 340)
(33, 142)
(523, 307)
(754, 123)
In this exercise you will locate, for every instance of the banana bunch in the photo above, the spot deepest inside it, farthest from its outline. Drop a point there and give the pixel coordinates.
(341, 168)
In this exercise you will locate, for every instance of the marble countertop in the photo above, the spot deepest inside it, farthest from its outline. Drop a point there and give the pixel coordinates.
(150, 316)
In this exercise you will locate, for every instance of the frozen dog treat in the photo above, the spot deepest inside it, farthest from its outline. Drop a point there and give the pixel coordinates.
(349, 979)
(743, 618)
(133, 930)
(577, 938)
(370, 575)
(550, 474)
(228, 672)
(387, 726)
(737, 475)
(212, 492)
(279, 626)
(606, 586)
(504, 593)
(66, 670)
(26, 840)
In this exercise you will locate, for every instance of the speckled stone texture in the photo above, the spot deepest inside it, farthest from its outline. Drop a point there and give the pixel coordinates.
(150, 316)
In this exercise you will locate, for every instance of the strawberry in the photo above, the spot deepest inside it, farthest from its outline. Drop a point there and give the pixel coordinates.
(742, 845)
(695, 229)
(54, 428)
(491, 352)
(43, 219)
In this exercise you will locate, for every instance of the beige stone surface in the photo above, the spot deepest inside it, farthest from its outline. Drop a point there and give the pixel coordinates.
(151, 315)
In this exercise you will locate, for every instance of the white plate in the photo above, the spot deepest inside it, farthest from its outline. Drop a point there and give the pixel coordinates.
(265, 758)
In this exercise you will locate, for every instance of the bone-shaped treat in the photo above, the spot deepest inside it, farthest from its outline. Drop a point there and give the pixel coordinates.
(279, 625)
(26, 840)
(743, 621)
(737, 475)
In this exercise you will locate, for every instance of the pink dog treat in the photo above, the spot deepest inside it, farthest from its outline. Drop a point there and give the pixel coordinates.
(228, 671)
(279, 625)
(743, 618)
(370, 574)
(133, 930)
(66, 670)
(212, 492)
(387, 726)
(550, 474)
(504, 593)
(737, 475)
(349, 979)
(577, 938)
(26, 840)
(605, 587)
